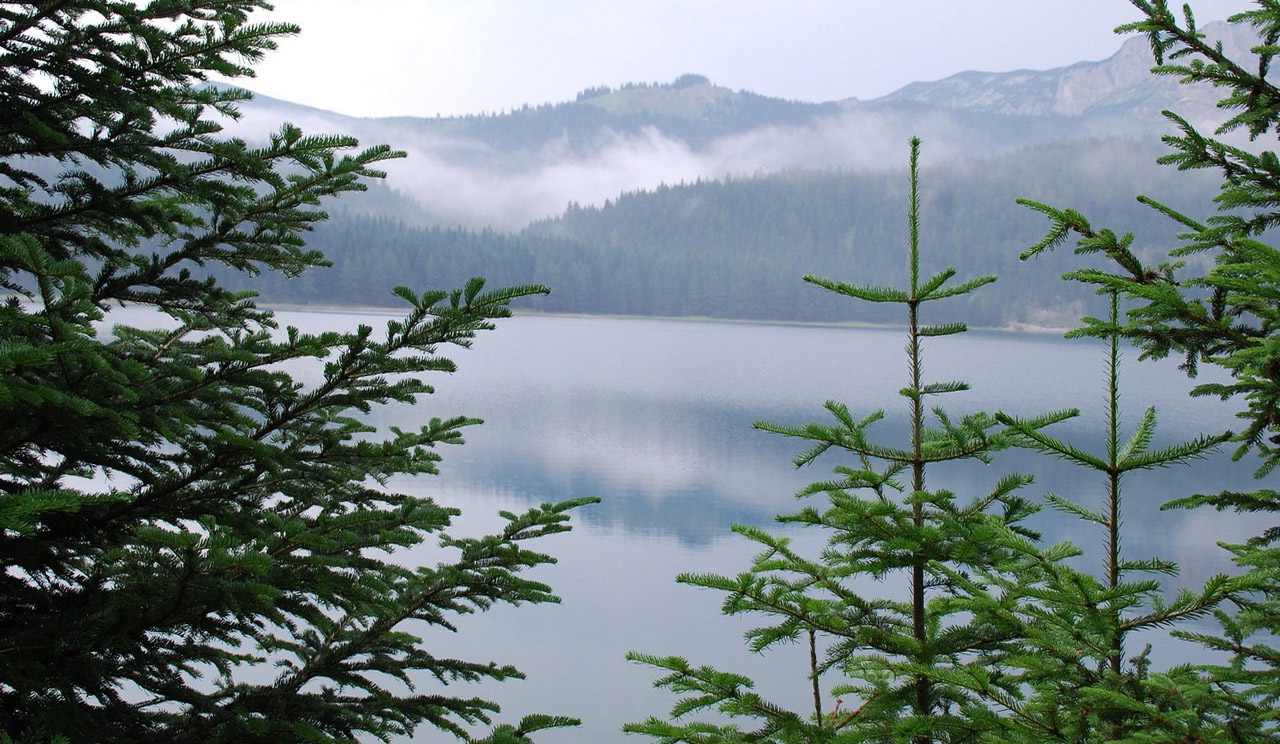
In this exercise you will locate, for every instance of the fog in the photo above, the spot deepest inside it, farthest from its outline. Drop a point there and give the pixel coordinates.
(506, 171)
(474, 184)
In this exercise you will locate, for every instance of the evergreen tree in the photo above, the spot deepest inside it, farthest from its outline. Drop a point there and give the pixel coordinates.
(887, 529)
(1216, 300)
(1073, 677)
(198, 546)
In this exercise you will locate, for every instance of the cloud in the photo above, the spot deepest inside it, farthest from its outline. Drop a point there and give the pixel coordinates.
(474, 184)
(484, 191)
(468, 184)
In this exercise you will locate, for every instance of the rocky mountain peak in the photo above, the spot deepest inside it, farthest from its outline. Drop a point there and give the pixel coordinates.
(1120, 85)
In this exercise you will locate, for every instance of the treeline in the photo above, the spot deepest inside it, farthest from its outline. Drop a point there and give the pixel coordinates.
(737, 248)
(630, 108)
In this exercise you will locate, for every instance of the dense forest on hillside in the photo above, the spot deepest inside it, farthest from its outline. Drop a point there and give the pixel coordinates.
(737, 247)
(690, 109)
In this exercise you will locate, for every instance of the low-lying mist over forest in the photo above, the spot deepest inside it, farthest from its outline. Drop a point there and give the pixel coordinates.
(689, 199)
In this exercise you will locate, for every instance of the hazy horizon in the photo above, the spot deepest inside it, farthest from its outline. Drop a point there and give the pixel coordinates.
(457, 57)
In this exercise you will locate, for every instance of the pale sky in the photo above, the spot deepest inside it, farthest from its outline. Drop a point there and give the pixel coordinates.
(429, 57)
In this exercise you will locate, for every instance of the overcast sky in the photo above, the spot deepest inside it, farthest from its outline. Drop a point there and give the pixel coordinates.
(429, 57)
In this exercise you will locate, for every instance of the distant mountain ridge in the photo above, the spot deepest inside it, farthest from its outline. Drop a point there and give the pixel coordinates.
(691, 108)
(1120, 84)
(693, 96)
(507, 170)
(687, 198)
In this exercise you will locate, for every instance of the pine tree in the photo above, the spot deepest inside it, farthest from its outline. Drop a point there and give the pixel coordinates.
(1073, 676)
(197, 545)
(1216, 301)
(888, 528)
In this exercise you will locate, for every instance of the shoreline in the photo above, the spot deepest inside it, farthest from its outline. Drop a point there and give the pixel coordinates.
(1014, 328)
(1017, 327)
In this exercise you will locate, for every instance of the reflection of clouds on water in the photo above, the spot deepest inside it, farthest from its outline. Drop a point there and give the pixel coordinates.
(662, 468)
(655, 418)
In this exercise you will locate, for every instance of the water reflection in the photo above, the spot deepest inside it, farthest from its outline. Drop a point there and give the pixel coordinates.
(655, 417)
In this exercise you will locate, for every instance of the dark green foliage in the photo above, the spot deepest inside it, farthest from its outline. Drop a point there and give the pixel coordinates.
(1214, 299)
(1229, 314)
(884, 606)
(1002, 639)
(197, 545)
(1074, 677)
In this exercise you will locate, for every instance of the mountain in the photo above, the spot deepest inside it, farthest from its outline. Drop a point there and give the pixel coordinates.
(1117, 89)
(507, 170)
(691, 108)
(737, 248)
(687, 198)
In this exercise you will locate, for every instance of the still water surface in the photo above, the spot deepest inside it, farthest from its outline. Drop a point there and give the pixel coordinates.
(655, 418)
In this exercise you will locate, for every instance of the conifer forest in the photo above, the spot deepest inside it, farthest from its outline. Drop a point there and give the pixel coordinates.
(202, 545)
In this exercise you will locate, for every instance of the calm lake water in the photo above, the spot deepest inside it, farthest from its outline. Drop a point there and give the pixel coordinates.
(655, 418)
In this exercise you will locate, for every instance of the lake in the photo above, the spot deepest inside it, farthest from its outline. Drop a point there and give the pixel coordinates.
(655, 416)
